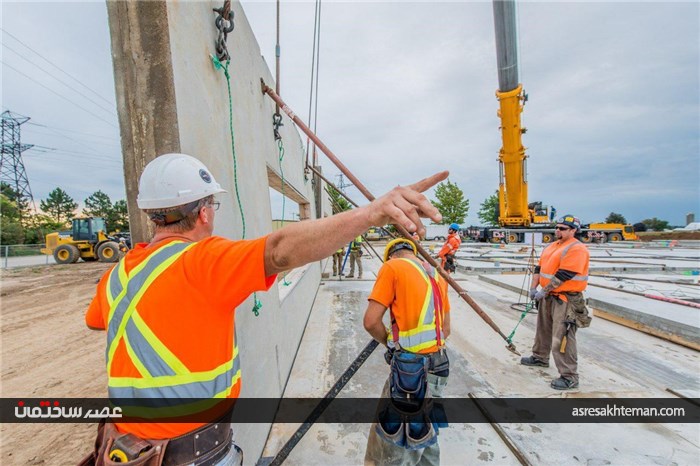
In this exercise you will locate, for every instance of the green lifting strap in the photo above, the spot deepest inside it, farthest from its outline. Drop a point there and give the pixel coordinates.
(528, 306)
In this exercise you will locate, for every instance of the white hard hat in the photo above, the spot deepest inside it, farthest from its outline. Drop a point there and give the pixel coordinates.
(175, 179)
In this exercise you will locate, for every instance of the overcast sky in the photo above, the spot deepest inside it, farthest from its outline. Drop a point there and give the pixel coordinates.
(407, 89)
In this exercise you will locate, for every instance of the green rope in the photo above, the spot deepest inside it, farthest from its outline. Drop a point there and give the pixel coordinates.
(280, 146)
(219, 66)
(528, 306)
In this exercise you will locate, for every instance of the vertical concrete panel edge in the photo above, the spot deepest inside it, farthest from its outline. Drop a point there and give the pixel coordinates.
(143, 80)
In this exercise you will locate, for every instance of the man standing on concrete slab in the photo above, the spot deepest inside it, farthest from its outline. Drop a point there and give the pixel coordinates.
(356, 257)
(563, 275)
(450, 248)
(416, 297)
(338, 262)
(168, 307)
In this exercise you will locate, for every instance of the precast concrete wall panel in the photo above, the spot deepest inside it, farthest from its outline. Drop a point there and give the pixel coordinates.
(198, 92)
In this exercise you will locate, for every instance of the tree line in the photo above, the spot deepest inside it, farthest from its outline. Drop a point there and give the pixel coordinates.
(454, 207)
(20, 225)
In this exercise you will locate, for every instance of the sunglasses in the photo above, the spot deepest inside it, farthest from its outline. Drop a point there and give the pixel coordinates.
(563, 228)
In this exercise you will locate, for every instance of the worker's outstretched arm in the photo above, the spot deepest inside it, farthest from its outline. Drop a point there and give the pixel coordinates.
(373, 321)
(303, 242)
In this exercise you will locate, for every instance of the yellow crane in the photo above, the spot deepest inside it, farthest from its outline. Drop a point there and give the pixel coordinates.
(515, 215)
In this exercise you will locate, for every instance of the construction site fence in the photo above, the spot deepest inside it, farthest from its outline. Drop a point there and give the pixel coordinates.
(10, 251)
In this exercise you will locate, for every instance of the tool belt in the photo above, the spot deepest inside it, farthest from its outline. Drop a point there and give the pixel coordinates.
(577, 311)
(202, 447)
(450, 264)
(407, 419)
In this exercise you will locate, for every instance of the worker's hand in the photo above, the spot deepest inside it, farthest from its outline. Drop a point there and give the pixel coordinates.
(405, 205)
(539, 295)
(533, 293)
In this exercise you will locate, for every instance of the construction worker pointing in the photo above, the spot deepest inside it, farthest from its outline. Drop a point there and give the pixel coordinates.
(168, 306)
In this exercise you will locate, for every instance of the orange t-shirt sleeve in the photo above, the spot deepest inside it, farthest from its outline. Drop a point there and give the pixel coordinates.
(231, 270)
(383, 291)
(95, 315)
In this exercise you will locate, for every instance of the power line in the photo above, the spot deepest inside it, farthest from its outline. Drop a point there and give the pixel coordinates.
(88, 144)
(58, 67)
(61, 96)
(109, 110)
(55, 128)
(95, 156)
(74, 160)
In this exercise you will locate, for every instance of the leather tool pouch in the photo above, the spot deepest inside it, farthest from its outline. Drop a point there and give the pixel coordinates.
(151, 453)
(577, 310)
(439, 363)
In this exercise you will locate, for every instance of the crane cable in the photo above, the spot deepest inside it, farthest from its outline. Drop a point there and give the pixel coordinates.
(277, 123)
(313, 90)
(363, 189)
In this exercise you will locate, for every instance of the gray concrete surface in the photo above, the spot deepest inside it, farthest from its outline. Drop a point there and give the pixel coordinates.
(667, 317)
(614, 362)
(618, 257)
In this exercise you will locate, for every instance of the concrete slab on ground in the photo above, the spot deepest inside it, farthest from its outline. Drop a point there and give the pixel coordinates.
(614, 362)
(673, 318)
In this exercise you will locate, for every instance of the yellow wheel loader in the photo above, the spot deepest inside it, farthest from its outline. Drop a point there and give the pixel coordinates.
(87, 240)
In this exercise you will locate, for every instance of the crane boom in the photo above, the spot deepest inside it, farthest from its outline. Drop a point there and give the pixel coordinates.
(517, 217)
(512, 189)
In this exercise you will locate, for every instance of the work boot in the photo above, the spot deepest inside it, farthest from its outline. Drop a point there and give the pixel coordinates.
(359, 277)
(533, 361)
(350, 276)
(562, 383)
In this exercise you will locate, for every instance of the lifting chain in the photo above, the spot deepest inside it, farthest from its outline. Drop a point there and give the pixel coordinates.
(276, 123)
(224, 23)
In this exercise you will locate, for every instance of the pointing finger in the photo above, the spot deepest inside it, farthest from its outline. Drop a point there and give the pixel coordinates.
(429, 182)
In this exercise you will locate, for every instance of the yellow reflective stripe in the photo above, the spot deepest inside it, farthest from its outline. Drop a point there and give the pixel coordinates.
(134, 359)
(166, 355)
(184, 409)
(169, 380)
(415, 331)
(121, 273)
(428, 295)
(132, 306)
(124, 280)
(110, 299)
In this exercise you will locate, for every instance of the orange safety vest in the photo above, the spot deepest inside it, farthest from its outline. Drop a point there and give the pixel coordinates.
(571, 255)
(450, 247)
(428, 332)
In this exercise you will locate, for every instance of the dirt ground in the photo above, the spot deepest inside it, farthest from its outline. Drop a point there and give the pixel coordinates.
(48, 352)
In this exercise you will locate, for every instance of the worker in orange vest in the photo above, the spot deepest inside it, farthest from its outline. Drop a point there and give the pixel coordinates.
(562, 274)
(168, 309)
(450, 248)
(416, 297)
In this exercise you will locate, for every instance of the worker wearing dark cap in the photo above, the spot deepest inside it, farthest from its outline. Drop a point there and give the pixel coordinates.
(563, 275)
